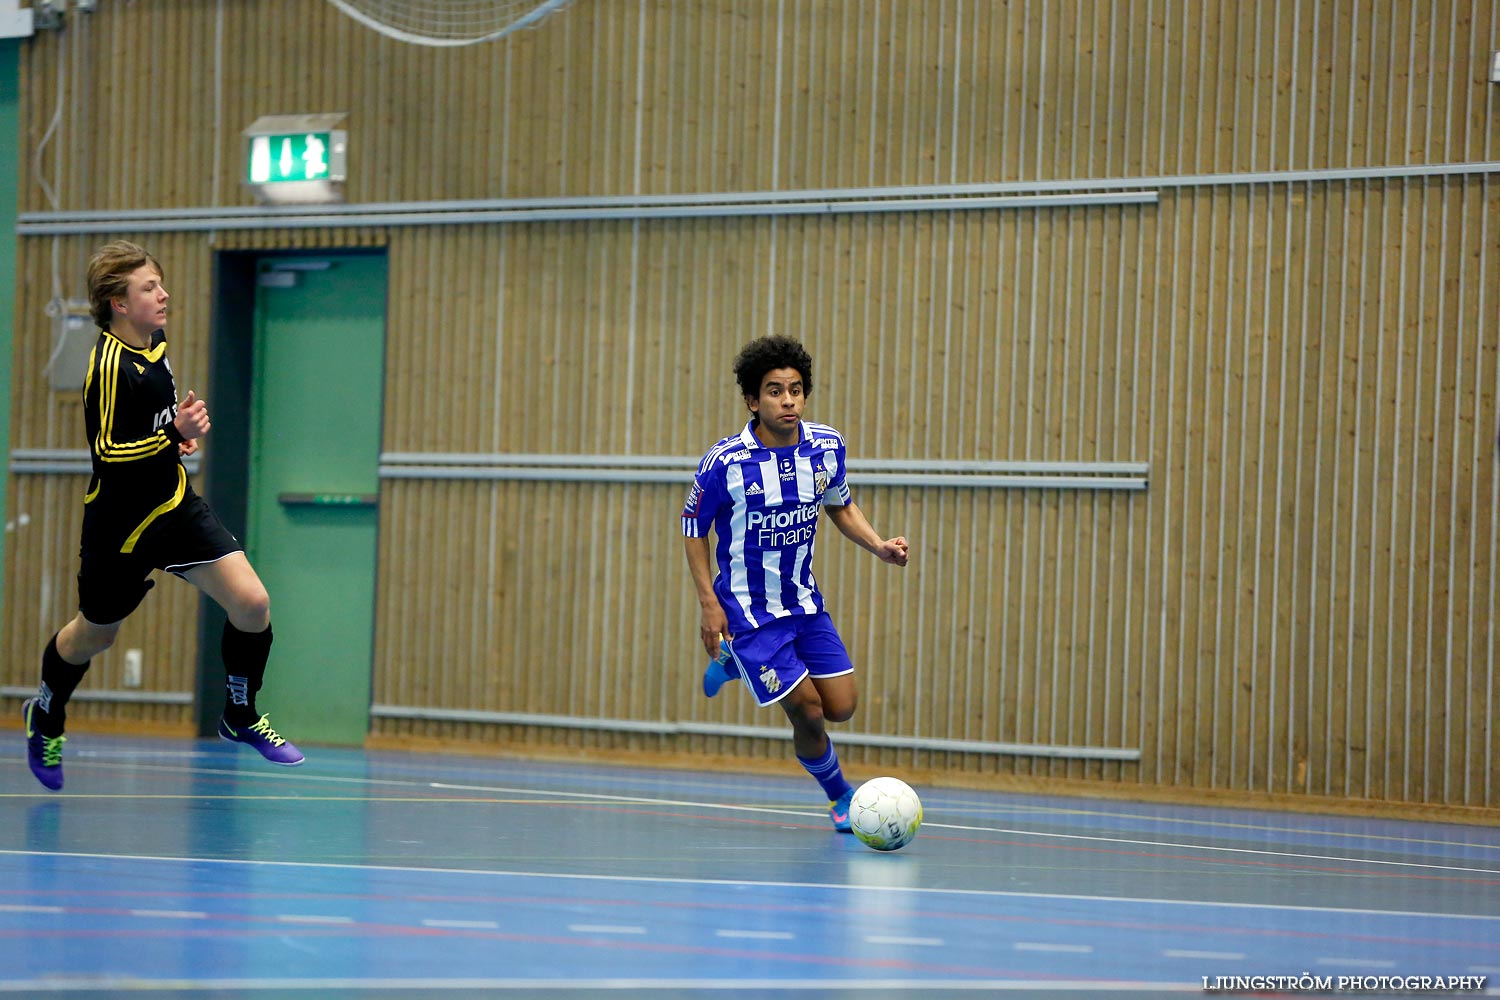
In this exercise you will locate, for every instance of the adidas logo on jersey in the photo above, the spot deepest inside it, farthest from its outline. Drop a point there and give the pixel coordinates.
(754, 490)
(140, 368)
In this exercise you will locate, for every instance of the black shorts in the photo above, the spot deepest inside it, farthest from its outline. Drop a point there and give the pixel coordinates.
(112, 584)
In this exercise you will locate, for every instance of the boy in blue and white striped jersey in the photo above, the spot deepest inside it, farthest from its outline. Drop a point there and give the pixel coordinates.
(761, 491)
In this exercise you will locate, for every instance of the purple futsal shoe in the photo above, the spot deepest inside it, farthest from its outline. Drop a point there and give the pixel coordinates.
(43, 753)
(268, 742)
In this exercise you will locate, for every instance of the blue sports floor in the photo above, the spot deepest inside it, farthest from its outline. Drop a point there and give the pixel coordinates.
(191, 868)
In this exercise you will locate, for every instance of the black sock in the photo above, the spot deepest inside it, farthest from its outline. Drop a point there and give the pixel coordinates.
(245, 655)
(59, 678)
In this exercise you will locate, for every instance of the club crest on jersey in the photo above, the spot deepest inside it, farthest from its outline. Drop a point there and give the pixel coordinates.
(769, 680)
(820, 481)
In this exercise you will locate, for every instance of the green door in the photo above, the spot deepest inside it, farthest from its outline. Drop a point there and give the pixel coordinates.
(313, 486)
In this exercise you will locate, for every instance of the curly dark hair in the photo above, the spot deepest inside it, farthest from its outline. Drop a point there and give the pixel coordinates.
(767, 354)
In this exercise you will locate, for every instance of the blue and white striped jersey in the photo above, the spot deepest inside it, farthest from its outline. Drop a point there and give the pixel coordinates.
(763, 503)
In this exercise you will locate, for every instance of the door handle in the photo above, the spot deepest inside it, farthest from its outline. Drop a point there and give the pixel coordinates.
(328, 499)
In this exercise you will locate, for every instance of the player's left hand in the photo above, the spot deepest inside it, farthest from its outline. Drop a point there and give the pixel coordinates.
(894, 551)
(186, 448)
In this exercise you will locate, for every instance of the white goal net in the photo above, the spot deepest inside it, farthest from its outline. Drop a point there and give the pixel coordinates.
(447, 22)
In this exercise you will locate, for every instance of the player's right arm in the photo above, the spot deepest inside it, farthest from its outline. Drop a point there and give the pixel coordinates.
(703, 503)
(712, 621)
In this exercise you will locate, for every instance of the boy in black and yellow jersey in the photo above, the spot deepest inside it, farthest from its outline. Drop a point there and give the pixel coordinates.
(140, 514)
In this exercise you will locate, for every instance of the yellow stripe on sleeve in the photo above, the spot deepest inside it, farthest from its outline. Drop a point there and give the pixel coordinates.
(88, 379)
(106, 447)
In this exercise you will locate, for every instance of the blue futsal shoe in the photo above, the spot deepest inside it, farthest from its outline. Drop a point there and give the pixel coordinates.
(720, 671)
(838, 812)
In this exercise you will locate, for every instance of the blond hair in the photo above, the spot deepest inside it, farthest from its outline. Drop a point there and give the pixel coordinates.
(109, 274)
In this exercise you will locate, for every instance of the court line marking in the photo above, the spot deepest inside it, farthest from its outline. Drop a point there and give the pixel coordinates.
(950, 795)
(104, 759)
(248, 920)
(21, 908)
(1355, 963)
(1227, 825)
(539, 798)
(729, 932)
(231, 797)
(918, 987)
(1214, 848)
(772, 810)
(312, 918)
(748, 883)
(171, 914)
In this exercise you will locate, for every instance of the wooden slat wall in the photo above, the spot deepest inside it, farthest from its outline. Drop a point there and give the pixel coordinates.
(1187, 622)
(1302, 601)
(660, 96)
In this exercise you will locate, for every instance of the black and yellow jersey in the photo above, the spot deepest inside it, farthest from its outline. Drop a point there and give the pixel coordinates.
(129, 402)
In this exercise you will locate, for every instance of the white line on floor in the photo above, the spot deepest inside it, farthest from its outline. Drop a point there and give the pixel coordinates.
(535, 986)
(928, 824)
(22, 908)
(755, 935)
(1356, 963)
(469, 873)
(312, 918)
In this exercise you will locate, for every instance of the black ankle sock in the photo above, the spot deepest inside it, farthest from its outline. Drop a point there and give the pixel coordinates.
(245, 655)
(59, 678)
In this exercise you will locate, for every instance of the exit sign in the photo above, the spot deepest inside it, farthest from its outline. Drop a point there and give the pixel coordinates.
(297, 156)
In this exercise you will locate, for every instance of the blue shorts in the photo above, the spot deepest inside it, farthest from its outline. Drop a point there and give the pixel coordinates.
(774, 658)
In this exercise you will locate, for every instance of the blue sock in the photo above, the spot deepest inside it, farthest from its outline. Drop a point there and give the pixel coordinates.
(827, 772)
(725, 663)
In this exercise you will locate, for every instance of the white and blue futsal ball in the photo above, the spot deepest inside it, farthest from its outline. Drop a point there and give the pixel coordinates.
(885, 813)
